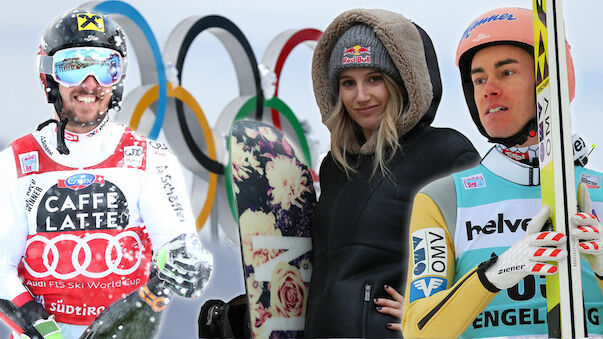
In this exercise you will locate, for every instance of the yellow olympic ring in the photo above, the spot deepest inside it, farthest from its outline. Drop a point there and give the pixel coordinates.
(183, 95)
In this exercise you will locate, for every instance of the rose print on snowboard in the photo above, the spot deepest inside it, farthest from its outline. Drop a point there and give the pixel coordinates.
(275, 201)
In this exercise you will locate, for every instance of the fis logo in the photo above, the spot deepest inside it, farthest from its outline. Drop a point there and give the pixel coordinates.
(424, 287)
(496, 226)
(29, 162)
(90, 22)
(475, 181)
(82, 180)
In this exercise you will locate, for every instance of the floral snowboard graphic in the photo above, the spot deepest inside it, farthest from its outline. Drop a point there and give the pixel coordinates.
(275, 200)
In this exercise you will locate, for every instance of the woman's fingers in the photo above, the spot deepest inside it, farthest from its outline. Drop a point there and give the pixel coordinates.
(397, 296)
(394, 326)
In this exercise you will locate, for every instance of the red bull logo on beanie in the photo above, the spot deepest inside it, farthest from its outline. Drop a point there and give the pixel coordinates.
(484, 20)
(357, 54)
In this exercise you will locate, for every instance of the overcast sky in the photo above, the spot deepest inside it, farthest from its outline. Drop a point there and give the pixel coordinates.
(209, 76)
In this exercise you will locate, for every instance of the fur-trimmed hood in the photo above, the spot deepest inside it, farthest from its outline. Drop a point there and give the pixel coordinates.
(412, 52)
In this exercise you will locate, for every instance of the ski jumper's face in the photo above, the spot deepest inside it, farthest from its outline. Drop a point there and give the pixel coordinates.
(364, 95)
(503, 83)
(85, 104)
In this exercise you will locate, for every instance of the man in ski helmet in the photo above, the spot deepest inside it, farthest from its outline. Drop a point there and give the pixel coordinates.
(88, 205)
(479, 254)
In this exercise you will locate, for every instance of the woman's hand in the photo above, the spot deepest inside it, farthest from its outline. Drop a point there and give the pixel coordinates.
(391, 307)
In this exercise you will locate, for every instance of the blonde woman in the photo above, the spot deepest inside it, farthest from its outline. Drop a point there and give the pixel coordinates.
(377, 84)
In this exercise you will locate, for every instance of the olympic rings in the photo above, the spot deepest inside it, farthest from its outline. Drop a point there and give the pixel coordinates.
(242, 57)
(177, 109)
(82, 244)
(277, 52)
(184, 96)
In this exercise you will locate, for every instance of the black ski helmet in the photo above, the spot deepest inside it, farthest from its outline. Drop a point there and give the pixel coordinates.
(82, 28)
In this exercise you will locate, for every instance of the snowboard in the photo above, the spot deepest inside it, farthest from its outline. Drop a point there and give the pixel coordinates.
(275, 202)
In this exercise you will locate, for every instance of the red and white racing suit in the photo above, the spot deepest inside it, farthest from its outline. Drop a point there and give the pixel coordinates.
(77, 230)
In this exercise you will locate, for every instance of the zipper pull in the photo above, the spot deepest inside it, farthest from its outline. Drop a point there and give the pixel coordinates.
(367, 292)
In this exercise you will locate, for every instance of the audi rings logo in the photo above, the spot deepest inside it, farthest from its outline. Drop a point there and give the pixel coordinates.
(133, 151)
(199, 146)
(122, 255)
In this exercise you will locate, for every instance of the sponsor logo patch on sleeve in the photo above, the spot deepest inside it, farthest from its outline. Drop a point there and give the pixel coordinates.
(429, 252)
(133, 156)
(591, 181)
(474, 181)
(424, 287)
(430, 258)
(29, 162)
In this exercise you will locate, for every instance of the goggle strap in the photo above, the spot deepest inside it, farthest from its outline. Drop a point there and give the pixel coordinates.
(45, 65)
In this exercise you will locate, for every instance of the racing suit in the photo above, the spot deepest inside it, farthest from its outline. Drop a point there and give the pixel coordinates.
(78, 229)
(457, 223)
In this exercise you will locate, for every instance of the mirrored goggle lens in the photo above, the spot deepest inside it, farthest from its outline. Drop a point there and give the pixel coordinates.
(72, 66)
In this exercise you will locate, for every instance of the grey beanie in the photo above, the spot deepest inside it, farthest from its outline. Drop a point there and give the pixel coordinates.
(359, 46)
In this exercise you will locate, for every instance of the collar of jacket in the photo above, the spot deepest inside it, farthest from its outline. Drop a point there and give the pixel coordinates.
(510, 169)
(405, 43)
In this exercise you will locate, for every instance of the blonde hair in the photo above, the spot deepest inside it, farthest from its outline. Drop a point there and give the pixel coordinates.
(344, 130)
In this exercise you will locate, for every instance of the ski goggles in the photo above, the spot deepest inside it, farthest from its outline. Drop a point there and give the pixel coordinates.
(71, 66)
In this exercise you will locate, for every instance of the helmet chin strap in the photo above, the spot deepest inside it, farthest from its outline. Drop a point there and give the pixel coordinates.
(61, 146)
(530, 129)
(61, 123)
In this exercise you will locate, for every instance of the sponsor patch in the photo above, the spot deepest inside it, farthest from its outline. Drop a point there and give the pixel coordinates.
(133, 156)
(480, 37)
(591, 181)
(357, 55)
(517, 156)
(485, 20)
(90, 22)
(424, 287)
(474, 181)
(29, 162)
(429, 252)
(71, 137)
(499, 225)
(82, 202)
(81, 180)
(158, 146)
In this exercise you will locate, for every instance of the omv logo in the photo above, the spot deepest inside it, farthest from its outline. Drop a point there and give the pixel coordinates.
(82, 180)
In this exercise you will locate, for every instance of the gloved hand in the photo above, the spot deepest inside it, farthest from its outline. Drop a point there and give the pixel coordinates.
(47, 328)
(588, 231)
(529, 254)
(184, 266)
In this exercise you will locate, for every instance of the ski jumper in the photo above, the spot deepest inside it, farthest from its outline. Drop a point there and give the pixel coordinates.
(457, 223)
(78, 229)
